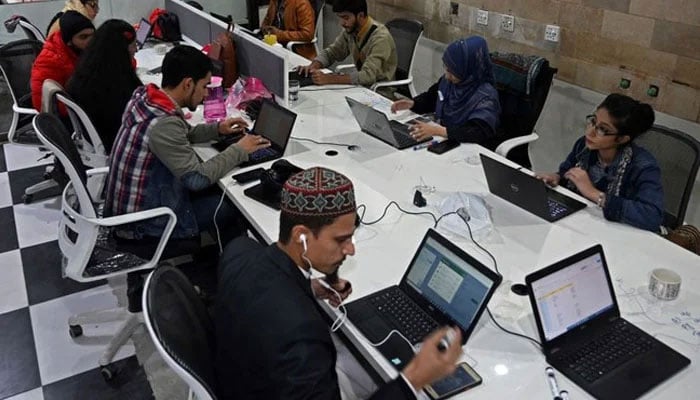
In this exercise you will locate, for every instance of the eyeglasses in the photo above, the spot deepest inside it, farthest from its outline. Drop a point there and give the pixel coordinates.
(93, 4)
(600, 131)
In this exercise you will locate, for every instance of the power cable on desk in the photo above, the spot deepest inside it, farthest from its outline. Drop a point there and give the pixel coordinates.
(495, 266)
(302, 139)
(436, 220)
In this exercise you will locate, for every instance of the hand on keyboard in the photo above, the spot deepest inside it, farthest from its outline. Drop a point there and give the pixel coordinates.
(251, 143)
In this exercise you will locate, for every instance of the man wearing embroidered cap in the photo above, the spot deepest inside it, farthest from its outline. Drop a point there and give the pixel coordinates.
(272, 339)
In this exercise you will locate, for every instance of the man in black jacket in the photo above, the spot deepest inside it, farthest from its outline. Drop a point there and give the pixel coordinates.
(273, 342)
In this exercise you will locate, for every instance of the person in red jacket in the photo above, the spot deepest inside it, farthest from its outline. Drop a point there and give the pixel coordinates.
(59, 56)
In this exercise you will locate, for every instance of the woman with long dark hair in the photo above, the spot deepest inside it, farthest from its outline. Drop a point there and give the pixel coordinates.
(105, 78)
(605, 166)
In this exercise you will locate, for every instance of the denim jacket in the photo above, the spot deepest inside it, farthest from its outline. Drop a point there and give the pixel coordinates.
(152, 165)
(640, 202)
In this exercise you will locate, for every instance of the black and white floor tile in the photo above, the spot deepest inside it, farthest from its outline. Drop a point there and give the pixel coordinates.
(38, 359)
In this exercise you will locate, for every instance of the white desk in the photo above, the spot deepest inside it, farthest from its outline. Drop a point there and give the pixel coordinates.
(521, 243)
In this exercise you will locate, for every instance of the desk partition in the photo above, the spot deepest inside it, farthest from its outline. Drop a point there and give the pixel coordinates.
(269, 64)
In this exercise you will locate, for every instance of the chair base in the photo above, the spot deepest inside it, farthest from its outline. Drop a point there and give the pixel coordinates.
(37, 188)
(131, 321)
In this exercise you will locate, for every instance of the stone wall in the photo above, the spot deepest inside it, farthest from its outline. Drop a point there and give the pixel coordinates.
(648, 42)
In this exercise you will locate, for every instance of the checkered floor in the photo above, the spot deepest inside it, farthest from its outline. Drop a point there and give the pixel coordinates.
(38, 359)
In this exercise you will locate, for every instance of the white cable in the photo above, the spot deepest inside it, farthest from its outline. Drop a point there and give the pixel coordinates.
(341, 307)
(216, 226)
(388, 335)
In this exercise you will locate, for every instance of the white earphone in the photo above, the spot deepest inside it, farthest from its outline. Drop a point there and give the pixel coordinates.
(302, 238)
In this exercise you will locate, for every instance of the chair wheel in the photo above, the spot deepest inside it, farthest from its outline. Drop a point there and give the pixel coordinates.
(27, 198)
(108, 372)
(75, 331)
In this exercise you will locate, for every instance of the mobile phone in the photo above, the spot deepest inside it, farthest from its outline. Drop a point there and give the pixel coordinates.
(249, 176)
(441, 147)
(462, 379)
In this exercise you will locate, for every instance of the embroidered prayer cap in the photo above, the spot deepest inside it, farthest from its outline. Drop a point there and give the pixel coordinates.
(318, 191)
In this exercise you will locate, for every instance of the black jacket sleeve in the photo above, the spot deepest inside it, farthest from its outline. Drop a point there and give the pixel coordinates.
(424, 103)
(473, 131)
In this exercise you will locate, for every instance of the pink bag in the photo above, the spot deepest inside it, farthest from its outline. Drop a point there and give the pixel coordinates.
(244, 91)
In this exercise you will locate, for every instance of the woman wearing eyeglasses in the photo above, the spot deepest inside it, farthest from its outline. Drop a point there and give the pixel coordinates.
(606, 167)
(88, 8)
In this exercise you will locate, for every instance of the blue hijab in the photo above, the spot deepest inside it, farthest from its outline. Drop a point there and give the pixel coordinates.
(474, 97)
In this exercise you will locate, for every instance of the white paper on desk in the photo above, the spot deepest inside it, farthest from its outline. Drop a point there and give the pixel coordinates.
(480, 221)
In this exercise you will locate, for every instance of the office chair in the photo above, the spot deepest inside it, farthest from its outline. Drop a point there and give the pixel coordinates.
(90, 250)
(318, 11)
(522, 98)
(90, 147)
(181, 330)
(16, 59)
(406, 34)
(29, 29)
(678, 155)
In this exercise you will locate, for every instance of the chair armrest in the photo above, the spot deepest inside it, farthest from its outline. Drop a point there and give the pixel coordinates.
(504, 148)
(97, 171)
(392, 83)
(24, 110)
(136, 217)
(293, 43)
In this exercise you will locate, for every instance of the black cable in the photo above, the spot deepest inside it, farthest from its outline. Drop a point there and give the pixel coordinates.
(495, 266)
(471, 236)
(511, 332)
(435, 219)
(302, 139)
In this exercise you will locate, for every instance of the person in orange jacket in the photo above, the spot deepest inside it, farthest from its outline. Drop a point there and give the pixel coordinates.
(60, 53)
(292, 20)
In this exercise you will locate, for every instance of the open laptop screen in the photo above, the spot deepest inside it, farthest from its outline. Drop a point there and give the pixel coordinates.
(449, 282)
(275, 123)
(143, 32)
(572, 296)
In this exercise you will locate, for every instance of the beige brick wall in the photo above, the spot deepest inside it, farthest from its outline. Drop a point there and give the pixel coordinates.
(650, 42)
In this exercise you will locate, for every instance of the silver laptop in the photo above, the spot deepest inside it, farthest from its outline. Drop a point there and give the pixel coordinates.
(375, 123)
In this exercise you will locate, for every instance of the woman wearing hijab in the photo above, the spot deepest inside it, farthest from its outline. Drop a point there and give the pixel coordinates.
(464, 100)
(88, 8)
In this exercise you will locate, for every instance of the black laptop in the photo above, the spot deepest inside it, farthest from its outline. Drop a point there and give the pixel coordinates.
(375, 123)
(143, 33)
(527, 192)
(274, 123)
(584, 337)
(443, 285)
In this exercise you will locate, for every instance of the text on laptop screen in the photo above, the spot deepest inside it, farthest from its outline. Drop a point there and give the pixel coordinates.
(275, 124)
(572, 296)
(448, 282)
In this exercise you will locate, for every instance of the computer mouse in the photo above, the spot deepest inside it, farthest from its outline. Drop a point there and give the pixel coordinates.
(331, 153)
(519, 289)
(353, 147)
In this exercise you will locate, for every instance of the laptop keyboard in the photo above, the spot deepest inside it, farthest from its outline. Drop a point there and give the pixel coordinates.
(410, 320)
(262, 153)
(401, 133)
(614, 347)
(555, 208)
